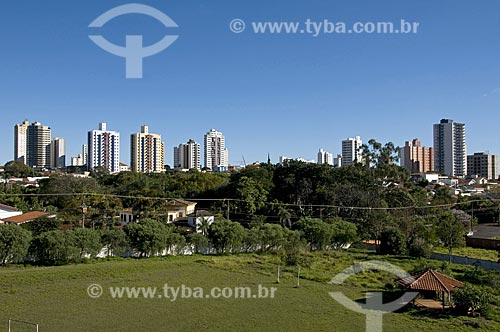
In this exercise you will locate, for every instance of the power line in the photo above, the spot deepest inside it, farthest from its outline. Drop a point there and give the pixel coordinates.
(364, 208)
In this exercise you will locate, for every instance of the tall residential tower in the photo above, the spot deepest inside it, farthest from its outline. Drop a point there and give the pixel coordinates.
(351, 151)
(38, 145)
(20, 144)
(450, 148)
(104, 149)
(416, 157)
(147, 152)
(216, 153)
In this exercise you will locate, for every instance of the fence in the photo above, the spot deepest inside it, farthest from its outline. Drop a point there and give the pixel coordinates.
(461, 260)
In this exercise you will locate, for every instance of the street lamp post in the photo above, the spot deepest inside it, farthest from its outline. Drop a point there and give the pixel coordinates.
(84, 210)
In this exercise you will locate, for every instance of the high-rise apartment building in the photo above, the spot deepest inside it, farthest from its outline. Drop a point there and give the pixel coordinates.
(351, 151)
(38, 140)
(57, 153)
(482, 165)
(325, 157)
(416, 157)
(104, 149)
(187, 156)
(20, 143)
(216, 153)
(147, 152)
(450, 148)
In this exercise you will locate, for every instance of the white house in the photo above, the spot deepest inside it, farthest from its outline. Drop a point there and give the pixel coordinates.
(179, 208)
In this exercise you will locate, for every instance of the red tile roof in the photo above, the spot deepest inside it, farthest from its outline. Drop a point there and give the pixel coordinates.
(30, 216)
(431, 281)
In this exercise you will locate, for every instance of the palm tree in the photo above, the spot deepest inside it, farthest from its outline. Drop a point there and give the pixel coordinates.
(204, 226)
(284, 215)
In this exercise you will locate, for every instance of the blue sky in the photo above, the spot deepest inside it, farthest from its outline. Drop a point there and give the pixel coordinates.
(282, 94)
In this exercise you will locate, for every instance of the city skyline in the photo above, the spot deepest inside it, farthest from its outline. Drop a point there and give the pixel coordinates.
(328, 88)
(326, 157)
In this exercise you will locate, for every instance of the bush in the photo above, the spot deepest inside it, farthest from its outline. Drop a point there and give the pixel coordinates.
(14, 244)
(471, 299)
(420, 248)
(392, 242)
(54, 248)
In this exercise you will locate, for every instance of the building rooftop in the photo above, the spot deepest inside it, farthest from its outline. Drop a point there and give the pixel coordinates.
(431, 280)
(26, 217)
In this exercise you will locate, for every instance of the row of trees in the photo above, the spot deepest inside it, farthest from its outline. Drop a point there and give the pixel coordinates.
(45, 243)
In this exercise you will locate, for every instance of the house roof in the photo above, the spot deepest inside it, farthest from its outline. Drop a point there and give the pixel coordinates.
(7, 208)
(431, 280)
(201, 213)
(180, 202)
(26, 217)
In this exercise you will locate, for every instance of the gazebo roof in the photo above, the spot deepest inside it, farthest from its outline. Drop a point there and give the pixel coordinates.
(431, 280)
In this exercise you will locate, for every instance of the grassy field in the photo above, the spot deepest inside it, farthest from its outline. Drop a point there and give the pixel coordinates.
(489, 255)
(56, 297)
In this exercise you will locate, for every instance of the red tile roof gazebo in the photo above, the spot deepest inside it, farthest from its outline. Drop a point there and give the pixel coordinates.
(431, 280)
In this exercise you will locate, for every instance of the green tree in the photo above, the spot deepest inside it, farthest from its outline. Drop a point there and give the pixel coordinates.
(226, 236)
(14, 243)
(42, 225)
(54, 248)
(450, 231)
(393, 242)
(316, 232)
(18, 170)
(343, 232)
(88, 242)
(284, 214)
(148, 238)
(199, 242)
(115, 241)
(250, 194)
(204, 226)
(472, 299)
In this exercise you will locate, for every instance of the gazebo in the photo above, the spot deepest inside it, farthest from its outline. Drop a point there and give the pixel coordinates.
(432, 282)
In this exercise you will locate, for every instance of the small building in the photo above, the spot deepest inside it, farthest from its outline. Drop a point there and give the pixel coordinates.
(432, 285)
(179, 208)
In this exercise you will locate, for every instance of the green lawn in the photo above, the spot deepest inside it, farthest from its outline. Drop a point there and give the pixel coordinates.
(489, 255)
(56, 297)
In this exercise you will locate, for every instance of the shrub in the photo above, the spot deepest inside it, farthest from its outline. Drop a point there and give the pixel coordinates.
(471, 299)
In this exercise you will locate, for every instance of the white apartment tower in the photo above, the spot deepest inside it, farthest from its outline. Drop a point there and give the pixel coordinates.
(38, 139)
(351, 151)
(57, 153)
(147, 152)
(325, 157)
(104, 149)
(20, 144)
(216, 153)
(450, 148)
(187, 156)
